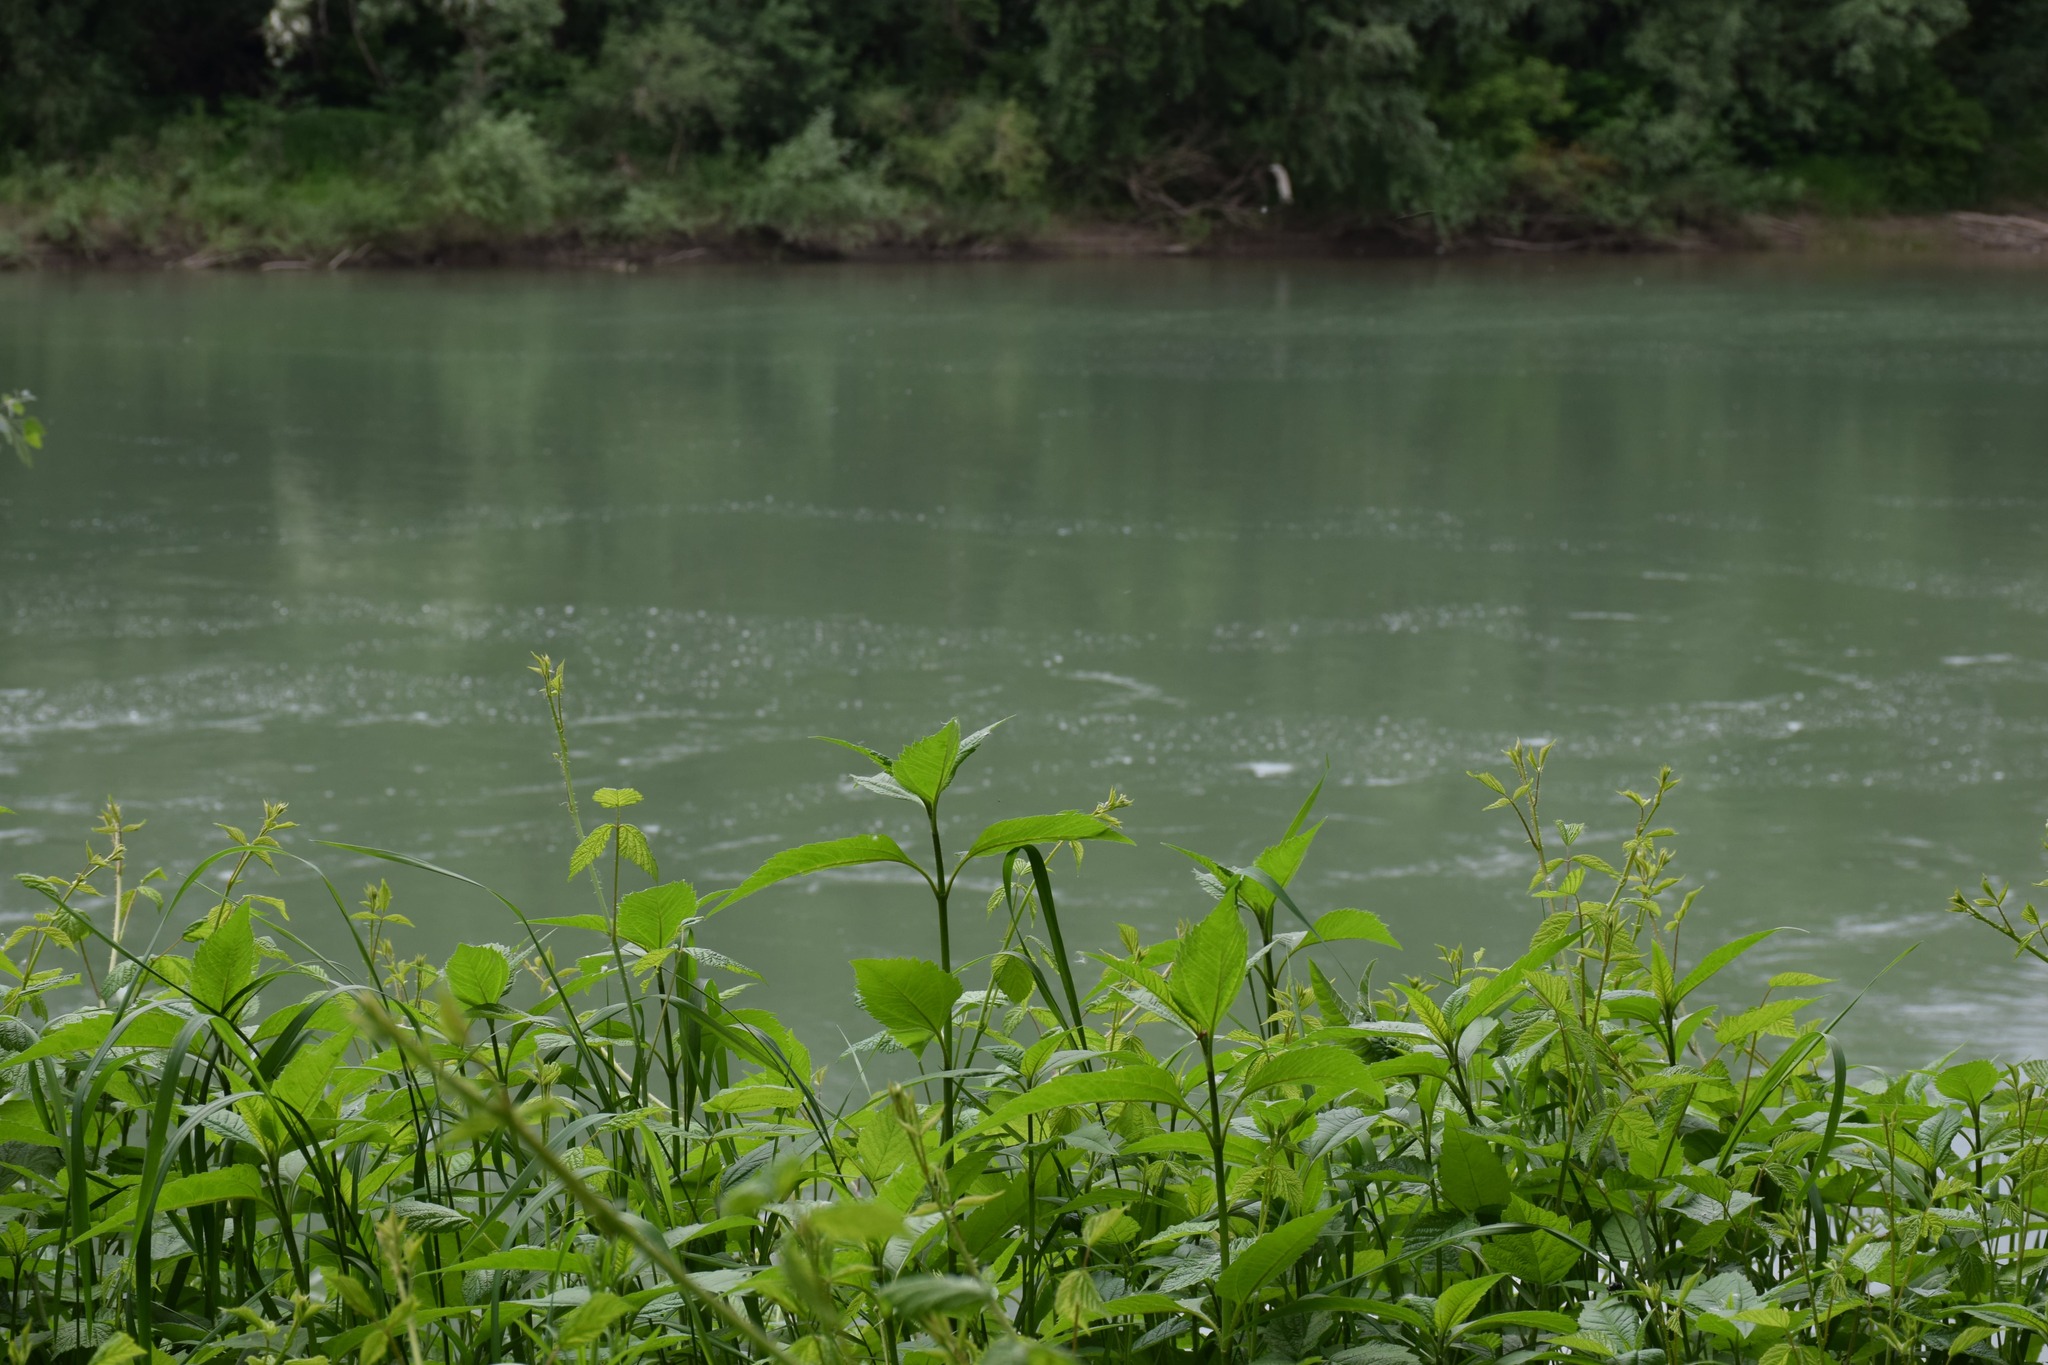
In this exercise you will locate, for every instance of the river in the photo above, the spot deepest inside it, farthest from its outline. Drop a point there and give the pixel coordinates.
(1194, 527)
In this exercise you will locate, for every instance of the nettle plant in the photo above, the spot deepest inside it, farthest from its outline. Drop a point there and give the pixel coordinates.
(1224, 1145)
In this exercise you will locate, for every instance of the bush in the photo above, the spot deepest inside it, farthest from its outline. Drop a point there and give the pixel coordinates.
(1226, 1145)
(497, 172)
(810, 195)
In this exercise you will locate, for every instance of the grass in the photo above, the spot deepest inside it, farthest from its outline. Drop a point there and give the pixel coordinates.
(1226, 1146)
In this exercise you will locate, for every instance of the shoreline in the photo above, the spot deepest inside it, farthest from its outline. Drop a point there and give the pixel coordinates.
(2012, 237)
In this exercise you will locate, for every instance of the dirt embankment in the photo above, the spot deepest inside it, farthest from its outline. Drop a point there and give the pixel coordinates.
(2010, 235)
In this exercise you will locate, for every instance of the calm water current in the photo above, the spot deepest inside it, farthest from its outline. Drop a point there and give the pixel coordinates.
(1196, 527)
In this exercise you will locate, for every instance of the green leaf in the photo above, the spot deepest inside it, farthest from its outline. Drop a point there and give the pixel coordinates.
(590, 1319)
(880, 760)
(72, 1039)
(633, 848)
(1067, 826)
(908, 996)
(117, 1349)
(420, 1214)
(1469, 1173)
(864, 1222)
(1133, 1305)
(918, 1296)
(1550, 937)
(1271, 1254)
(925, 767)
(1716, 960)
(1333, 1069)
(616, 798)
(2010, 1315)
(189, 1191)
(1537, 1318)
(1335, 1012)
(225, 962)
(310, 1071)
(586, 852)
(1772, 1017)
(1972, 1082)
(652, 918)
(596, 922)
(852, 851)
(1139, 1084)
(1363, 926)
(1209, 969)
(1455, 1304)
(479, 973)
(1283, 860)
(1535, 1257)
(549, 1260)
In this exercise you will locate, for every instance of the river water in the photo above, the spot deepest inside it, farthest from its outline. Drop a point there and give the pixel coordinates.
(1195, 527)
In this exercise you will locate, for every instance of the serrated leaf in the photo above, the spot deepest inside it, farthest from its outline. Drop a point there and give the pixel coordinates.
(117, 1349)
(853, 851)
(925, 767)
(880, 760)
(1250, 1270)
(1470, 1175)
(596, 922)
(479, 973)
(633, 848)
(1713, 962)
(1066, 827)
(310, 1071)
(616, 798)
(1535, 1257)
(653, 917)
(1141, 1084)
(881, 784)
(860, 1221)
(586, 852)
(590, 1319)
(908, 996)
(1772, 1017)
(1333, 1069)
(1458, 1302)
(1337, 926)
(419, 1213)
(225, 962)
(1971, 1082)
(184, 1192)
(1209, 969)
(917, 1296)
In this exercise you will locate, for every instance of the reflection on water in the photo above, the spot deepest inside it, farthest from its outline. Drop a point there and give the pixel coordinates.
(1195, 526)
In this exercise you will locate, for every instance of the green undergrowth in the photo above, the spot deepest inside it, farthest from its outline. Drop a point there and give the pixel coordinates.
(342, 186)
(1240, 1143)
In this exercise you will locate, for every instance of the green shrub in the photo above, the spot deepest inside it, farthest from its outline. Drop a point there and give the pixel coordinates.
(1227, 1145)
(811, 195)
(497, 172)
(986, 150)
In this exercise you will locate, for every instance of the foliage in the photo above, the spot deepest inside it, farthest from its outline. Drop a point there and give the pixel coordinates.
(20, 432)
(498, 173)
(172, 126)
(1226, 1145)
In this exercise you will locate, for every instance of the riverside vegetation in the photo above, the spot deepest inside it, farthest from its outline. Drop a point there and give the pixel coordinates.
(1232, 1145)
(344, 130)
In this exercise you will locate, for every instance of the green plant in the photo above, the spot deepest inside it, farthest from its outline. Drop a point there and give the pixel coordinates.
(20, 432)
(1226, 1145)
(497, 172)
(810, 193)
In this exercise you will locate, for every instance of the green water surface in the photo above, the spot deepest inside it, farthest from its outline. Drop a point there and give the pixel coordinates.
(1196, 527)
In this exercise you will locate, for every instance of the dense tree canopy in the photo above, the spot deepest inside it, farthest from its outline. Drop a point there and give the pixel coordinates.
(817, 116)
